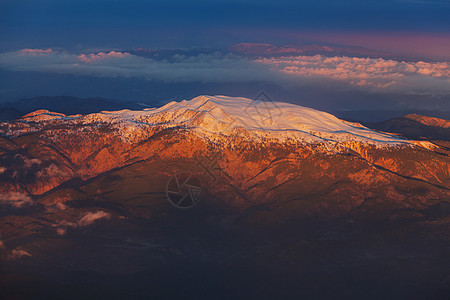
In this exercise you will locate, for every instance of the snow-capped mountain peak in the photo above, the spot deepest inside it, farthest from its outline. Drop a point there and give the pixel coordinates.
(218, 117)
(214, 115)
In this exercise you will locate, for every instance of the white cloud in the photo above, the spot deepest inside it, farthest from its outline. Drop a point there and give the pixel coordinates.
(28, 162)
(52, 208)
(90, 218)
(36, 51)
(373, 74)
(203, 67)
(18, 253)
(51, 171)
(86, 220)
(95, 57)
(16, 199)
(61, 231)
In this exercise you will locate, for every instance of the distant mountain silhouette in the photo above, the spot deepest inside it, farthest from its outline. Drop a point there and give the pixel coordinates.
(63, 104)
(415, 126)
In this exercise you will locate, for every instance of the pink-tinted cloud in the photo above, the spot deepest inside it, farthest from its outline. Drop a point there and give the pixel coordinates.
(61, 231)
(214, 67)
(36, 51)
(28, 162)
(51, 171)
(375, 74)
(86, 220)
(424, 44)
(429, 45)
(94, 57)
(16, 199)
(365, 72)
(18, 253)
(91, 217)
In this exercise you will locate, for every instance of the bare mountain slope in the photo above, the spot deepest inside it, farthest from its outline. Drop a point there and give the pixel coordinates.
(284, 192)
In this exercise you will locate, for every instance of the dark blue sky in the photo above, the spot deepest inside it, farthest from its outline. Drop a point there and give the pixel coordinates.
(53, 47)
(175, 23)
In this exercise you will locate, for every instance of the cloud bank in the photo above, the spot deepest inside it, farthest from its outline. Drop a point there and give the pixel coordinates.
(213, 67)
(373, 74)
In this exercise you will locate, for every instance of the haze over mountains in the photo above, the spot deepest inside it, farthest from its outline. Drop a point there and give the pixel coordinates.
(61, 104)
(76, 105)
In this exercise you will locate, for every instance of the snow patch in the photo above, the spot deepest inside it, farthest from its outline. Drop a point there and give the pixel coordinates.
(273, 120)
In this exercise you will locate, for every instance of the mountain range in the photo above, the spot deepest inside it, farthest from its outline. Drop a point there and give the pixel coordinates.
(97, 196)
(63, 104)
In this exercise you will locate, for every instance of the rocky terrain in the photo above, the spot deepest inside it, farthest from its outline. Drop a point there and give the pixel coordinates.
(285, 194)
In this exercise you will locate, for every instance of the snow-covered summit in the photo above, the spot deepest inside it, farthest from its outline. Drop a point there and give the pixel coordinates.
(219, 118)
(223, 115)
(45, 115)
